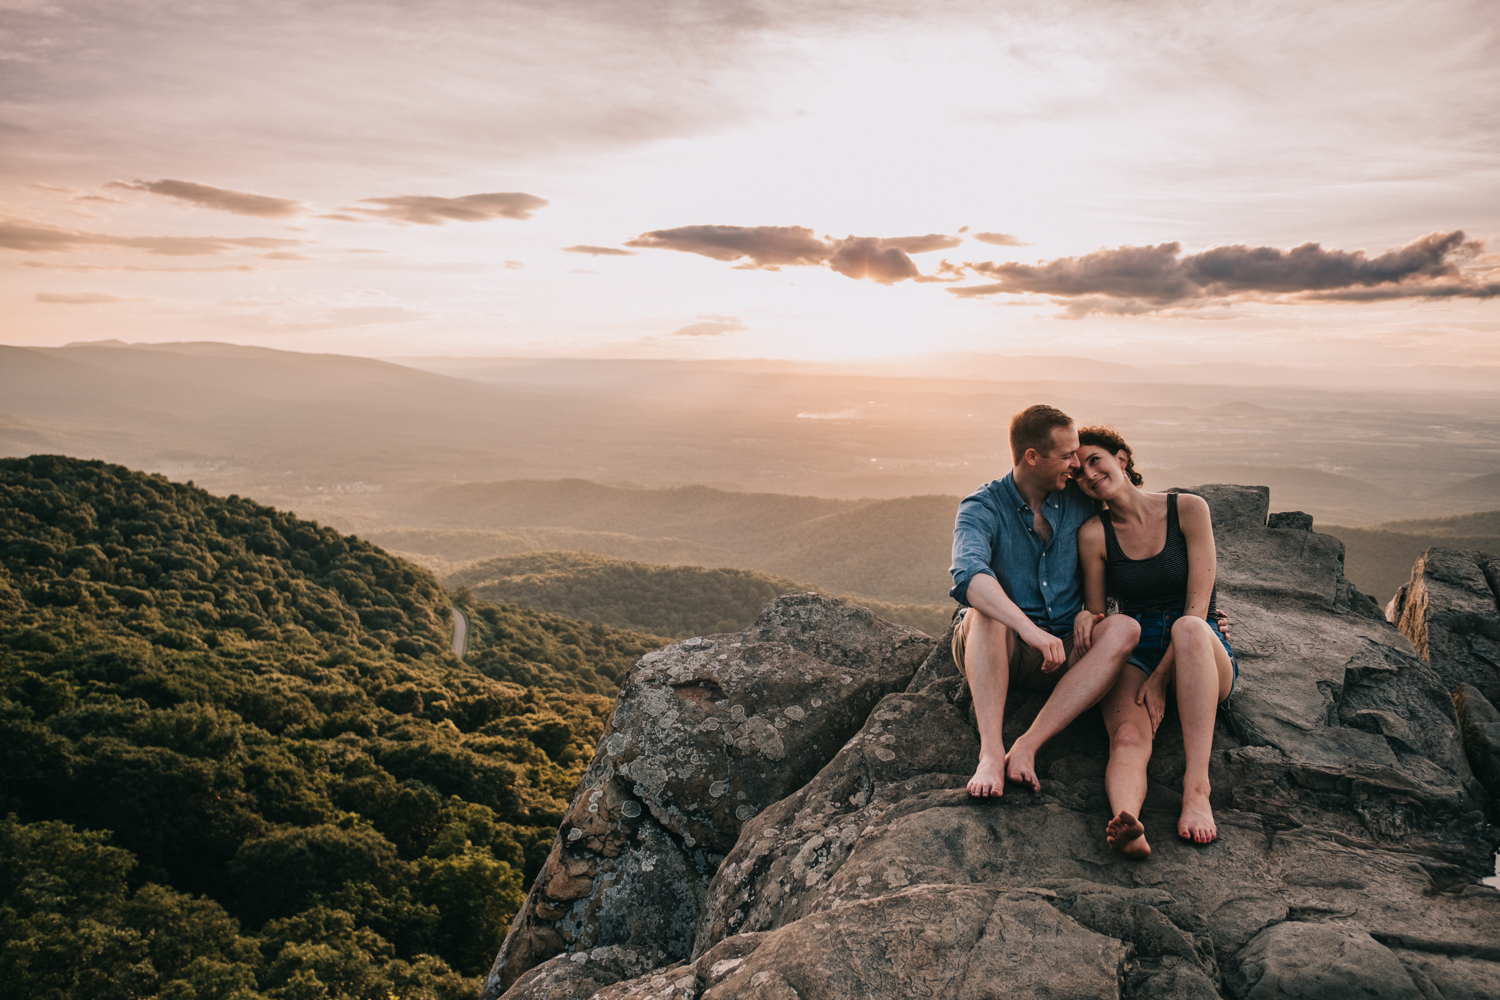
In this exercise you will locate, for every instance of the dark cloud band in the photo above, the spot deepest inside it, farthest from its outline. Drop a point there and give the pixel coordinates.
(1147, 278)
(885, 260)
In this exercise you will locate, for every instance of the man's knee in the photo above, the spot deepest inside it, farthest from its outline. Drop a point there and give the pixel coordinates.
(981, 643)
(976, 620)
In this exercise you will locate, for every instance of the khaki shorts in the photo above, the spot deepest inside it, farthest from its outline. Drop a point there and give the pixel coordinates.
(1025, 661)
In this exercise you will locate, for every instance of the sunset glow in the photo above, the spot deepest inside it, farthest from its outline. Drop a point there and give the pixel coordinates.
(818, 181)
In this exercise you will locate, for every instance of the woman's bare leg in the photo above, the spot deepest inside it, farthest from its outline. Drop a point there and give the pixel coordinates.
(1203, 679)
(1129, 728)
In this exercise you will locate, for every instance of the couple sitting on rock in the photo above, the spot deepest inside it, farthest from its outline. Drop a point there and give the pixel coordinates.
(1034, 557)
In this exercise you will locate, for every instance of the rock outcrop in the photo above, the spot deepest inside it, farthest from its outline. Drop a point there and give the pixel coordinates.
(1450, 609)
(781, 813)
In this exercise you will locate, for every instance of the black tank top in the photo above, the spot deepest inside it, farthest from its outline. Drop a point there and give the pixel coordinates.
(1158, 583)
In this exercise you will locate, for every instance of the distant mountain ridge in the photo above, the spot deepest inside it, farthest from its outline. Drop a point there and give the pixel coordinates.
(676, 601)
(891, 550)
(349, 440)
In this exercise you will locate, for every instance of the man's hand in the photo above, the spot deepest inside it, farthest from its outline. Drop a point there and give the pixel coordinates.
(1083, 630)
(1153, 694)
(1050, 646)
(1222, 620)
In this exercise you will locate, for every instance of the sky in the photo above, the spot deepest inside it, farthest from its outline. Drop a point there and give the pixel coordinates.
(1148, 182)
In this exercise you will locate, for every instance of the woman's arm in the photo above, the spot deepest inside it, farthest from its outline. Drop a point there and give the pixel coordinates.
(1091, 567)
(1091, 563)
(1198, 528)
(1153, 693)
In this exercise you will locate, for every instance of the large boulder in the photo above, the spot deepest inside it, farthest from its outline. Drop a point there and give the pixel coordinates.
(1351, 828)
(1450, 609)
(705, 734)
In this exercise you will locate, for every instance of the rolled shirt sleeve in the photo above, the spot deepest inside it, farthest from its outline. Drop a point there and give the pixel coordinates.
(974, 533)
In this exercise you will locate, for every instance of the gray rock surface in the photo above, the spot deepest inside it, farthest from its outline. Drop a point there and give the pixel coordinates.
(1450, 611)
(705, 734)
(1351, 828)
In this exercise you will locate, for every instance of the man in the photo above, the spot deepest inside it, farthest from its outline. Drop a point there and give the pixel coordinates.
(1015, 570)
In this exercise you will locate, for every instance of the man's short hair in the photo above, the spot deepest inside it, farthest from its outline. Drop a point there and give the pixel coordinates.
(1032, 428)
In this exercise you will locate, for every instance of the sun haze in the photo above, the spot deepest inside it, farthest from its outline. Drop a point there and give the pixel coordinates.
(1212, 182)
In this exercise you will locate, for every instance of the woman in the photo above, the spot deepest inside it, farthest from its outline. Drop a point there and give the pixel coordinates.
(1153, 553)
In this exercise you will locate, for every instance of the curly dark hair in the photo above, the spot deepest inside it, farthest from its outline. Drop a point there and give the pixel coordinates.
(1106, 437)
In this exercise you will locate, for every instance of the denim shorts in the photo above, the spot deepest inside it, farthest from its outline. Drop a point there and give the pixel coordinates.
(1156, 636)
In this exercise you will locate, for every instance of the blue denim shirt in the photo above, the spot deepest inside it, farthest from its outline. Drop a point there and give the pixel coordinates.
(993, 534)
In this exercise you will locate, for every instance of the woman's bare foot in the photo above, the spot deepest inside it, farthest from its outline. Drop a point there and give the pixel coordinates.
(1127, 835)
(1197, 820)
(1020, 766)
(989, 778)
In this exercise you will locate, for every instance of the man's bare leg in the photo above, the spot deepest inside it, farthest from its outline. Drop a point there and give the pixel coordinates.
(987, 653)
(1203, 678)
(1079, 690)
(1129, 727)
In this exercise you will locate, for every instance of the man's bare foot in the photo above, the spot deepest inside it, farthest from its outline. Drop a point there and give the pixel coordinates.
(1127, 835)
(1020, 766)
(1197, 820)
(989, 778)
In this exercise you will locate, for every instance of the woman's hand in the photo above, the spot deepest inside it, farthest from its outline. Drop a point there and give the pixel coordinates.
(1083, 630)
(1153, 694)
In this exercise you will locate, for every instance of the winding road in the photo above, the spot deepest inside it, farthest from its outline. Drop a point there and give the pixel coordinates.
(460, 633)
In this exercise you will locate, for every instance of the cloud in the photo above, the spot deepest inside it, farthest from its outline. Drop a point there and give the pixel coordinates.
(599, 251)
(341, 218)
(80, 298)
(710, 325)
(768, 247)
(429, 210)
(922, 244)
(33, 237)
(1149, 278)
(1000, 240)
(868, 257)
(219, 199)
(773, 247)
(285, 255)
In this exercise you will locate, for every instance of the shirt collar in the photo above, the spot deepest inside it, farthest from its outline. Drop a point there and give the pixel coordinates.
(1053, 499)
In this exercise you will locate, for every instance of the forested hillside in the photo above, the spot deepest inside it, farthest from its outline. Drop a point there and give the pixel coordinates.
(237, 761)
